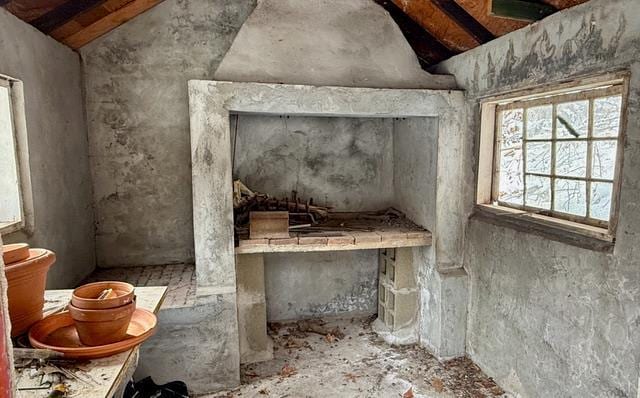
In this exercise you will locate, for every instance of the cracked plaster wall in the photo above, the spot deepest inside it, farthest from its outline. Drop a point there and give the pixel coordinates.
(548, 319)
(137, 110)
(57, 148)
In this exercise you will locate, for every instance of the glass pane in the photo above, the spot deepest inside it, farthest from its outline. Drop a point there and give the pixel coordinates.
(604, 159)
(606, 116)
(570, 197)
(511, 128)
(573, 119)
(539, 122)
(10, 206)
(539, 192)
(539, 157)
(511, 189)
(511, 183)
(571, 158)
(601, 200)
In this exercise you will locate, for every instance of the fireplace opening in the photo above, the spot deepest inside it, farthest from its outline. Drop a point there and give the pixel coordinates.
(326, 213)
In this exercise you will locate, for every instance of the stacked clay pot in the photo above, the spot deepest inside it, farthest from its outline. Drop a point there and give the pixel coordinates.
(102, 319)
(26, 272)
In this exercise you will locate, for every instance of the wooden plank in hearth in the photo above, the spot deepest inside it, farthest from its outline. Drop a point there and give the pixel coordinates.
(361, 241)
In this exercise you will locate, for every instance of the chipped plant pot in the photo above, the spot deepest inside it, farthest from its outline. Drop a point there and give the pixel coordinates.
(86, 296)
(99, 327)
(27, 279)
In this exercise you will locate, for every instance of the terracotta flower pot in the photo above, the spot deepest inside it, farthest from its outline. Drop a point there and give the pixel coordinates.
(99, 327)
(15, 252)
(86, 296)
(26, 283)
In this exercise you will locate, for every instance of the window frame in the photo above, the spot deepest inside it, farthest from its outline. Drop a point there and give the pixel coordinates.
(18, 119)
(489, 157)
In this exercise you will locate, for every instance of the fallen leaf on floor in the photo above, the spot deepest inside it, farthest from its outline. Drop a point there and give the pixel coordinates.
(251, 374)
(437, 384)
(351, 377)
(330, 338)
(264, 391)
(287, 370)
(408, 393)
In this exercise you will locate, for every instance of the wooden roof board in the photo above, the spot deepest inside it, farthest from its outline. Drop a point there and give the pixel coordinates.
(445, 33)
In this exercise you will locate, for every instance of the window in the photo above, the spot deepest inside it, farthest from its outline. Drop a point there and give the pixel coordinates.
(556, 154)
(14, 177)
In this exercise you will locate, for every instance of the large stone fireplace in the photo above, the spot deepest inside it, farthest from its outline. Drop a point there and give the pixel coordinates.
(357, 149)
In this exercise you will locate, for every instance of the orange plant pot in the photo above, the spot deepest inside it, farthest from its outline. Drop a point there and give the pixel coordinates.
(85, 296)
(99, 327)
(27, 279)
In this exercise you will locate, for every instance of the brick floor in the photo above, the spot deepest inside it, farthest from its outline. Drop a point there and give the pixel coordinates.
(180, 279)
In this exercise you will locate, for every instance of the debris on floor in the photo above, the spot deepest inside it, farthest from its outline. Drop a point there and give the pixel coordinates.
(355, 362)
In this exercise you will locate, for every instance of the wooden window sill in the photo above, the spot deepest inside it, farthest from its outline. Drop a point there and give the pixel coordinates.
(9, 227)
(571, 233)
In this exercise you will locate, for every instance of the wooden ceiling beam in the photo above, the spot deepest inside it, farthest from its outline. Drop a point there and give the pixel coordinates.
(427, 47)
(109, 22)
(59, 16)
(465, 20)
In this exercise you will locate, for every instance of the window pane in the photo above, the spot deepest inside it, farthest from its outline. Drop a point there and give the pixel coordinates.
(604, 159)
(539, 192)
(539, 157)
(511, 183)
(570, 197)
(606, 116)
(571, 159)
(10, 206)
(601, 200)
(511, 128)
(539, 122)
(511, 179)
(573, 119)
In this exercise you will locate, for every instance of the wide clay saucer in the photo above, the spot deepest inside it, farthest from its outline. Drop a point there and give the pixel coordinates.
(58, 333)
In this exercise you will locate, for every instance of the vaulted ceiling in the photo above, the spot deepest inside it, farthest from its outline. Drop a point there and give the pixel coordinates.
(435, 29)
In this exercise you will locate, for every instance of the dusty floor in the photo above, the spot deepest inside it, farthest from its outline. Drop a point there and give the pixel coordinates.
(323, 363)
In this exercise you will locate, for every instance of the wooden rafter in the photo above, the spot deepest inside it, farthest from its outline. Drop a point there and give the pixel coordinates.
(109, 22)
(67, 11)
(465, 20)
(428, 48)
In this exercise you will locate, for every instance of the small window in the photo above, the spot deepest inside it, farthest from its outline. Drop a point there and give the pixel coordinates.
(12, 143)
(556, 153)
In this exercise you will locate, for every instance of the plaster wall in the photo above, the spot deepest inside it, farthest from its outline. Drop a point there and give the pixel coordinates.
(137, 109)
(548, 319)
(307, 285)
(346, 163)
(57, 148)
(325, 43)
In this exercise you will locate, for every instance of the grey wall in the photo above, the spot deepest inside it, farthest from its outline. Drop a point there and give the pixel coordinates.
(346, 163)
(307, 285)
(351, 43)
(548, 319)
(415, 158)
(137, 106)
(58, 153)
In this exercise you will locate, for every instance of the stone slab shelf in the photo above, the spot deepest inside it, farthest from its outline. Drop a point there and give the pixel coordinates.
(340, 235)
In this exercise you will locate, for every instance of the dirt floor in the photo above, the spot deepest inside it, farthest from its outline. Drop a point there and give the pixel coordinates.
(345, 358)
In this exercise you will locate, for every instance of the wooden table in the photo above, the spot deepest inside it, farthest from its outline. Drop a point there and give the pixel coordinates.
(96, 378)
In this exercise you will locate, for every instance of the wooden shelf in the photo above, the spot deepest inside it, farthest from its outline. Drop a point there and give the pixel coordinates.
(344, 231)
